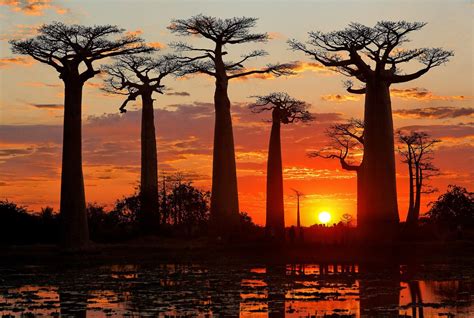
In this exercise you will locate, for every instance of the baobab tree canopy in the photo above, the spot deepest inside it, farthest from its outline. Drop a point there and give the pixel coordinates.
(289, 109)
(367, 52)
(222, 32)
(134, 75)
(64, 47)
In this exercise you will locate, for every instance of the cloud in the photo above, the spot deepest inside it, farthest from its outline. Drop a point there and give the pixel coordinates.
(298, 68)
(22, 60)
(301, 67)
(39, 84)
(339, 98)
(156, 45)
(178, 94)
(33, 7)
(423, 94)
(328, 117)
(275, 35)
(48, 106)
(20, 31)
(434, 112)
(134, 33)
(305, 173)
(460, 131)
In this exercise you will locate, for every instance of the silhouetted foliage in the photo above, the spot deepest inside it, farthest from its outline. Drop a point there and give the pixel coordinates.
(18, 226)
(346, 142)
(453, 208)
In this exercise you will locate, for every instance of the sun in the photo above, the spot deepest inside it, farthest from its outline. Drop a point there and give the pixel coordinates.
(324, 217)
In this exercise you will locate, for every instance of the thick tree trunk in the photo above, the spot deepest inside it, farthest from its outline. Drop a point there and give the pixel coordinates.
(224, 200)
(419, 184)
(149, 168)
(410, 216)
(275, 215)
(74, 228)
(380, 214)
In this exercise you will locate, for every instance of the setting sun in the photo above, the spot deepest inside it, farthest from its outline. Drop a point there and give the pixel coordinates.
(324, 217)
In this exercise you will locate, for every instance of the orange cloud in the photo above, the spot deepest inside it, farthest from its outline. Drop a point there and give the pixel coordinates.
(339, 98)
(435, 112)
(301, 67)
(20, 31)
(156, 45)
(275, 35)
(39, 84)
(423, 94)
(8, 61)
(134, 33)
(33, 7)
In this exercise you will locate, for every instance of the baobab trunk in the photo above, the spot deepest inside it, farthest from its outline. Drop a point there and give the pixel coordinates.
(224, 200)
(411, 219)
(419, 184)
(275, 216)
(74, 228)
(380, 214)
(149, 168)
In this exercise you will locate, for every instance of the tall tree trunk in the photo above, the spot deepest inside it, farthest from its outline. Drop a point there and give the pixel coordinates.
(224, 200)
(74, 228)
(298, 219)
(149, 168)
(380, 215)
(275, 222)
(410, 216)
(419, 184)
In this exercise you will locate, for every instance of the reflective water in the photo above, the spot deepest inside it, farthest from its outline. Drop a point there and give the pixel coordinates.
(170, 290)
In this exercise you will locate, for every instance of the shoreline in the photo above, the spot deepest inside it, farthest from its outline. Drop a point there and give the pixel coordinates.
(174, 251)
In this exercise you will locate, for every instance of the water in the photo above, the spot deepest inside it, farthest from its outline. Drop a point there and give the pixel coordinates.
(189, 290)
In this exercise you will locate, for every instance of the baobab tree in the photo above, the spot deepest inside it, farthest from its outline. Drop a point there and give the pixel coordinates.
(222, 33)
(141, 76)
(285, 110)
(346, 144)
(416, 151)
(72, 50)
(373, 55)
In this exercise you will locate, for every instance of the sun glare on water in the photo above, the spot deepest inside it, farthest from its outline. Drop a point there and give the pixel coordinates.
(324, 217)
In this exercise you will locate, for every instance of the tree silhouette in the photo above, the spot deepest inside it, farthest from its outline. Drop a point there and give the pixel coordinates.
(210, 61)
(346, 142)
(453, 208)
(141, 76)
(373, 55)
(72, 50)
(417, 153)
(285, 110)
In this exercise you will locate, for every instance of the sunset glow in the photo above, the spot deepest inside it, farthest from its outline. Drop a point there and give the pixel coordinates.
(324, 217)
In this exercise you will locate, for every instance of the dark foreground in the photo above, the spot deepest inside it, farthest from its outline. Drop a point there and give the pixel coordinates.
(198, 279)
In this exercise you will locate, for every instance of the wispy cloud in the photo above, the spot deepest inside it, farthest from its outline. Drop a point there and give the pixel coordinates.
(9, 61)
(423, 94)
(338, 98)
(434, 112)
(48, 106)
(178, 94)
(33, 7)
(20, 31)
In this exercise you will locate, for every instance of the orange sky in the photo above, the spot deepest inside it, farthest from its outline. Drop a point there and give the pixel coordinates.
(439, 103)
